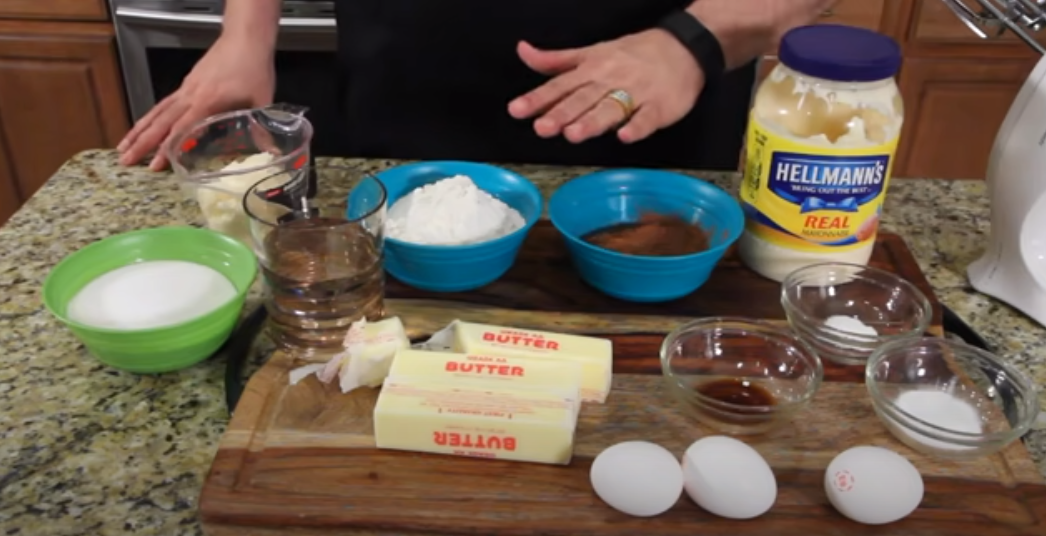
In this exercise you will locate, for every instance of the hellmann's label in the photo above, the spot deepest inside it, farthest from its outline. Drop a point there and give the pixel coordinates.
(811, 197)
(559, 376)
(476, 421)
(594, 355)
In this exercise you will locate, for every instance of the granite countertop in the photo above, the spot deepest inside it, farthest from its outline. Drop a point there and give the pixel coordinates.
(90, 450)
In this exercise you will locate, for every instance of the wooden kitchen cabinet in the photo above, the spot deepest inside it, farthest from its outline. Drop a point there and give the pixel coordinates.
(954, 108)
(60, 93)
(957, 90)
(73, 10)
(934, 26)
(10, 197)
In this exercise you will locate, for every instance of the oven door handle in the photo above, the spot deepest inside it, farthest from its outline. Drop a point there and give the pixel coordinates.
(192, 19)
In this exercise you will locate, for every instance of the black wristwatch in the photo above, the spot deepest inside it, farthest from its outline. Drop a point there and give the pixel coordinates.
(698, 40)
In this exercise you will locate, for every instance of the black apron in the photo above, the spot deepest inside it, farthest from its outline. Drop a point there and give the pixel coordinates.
(432, 79)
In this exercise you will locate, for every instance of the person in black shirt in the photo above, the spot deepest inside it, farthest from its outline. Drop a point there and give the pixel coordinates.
(573, 82)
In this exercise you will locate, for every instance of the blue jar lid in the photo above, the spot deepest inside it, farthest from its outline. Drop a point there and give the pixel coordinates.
(842, 53)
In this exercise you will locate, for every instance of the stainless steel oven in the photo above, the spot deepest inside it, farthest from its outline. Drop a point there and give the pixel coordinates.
(161, 40)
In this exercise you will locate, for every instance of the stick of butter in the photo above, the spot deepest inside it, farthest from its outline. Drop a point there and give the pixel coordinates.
(466, 420)
(596, 356)
(491, 371)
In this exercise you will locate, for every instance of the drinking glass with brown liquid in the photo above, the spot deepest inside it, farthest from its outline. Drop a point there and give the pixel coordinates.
(320, 241)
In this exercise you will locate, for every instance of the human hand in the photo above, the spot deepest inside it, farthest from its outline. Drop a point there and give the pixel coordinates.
(655, 69)
(232, 74)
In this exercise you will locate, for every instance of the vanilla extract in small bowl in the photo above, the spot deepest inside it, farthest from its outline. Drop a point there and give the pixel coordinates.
(747, 401)
(737, 392)
(739, 375)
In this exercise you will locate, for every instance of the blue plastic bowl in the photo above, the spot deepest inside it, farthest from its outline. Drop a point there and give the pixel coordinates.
(466, 267)
(599, 200)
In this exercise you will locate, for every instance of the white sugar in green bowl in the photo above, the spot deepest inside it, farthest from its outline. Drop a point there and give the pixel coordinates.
(111, 294)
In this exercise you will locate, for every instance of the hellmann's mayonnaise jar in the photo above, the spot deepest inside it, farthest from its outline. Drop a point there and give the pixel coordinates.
(819, 150)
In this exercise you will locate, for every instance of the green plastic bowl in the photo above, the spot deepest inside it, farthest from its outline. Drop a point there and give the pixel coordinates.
(166, 348)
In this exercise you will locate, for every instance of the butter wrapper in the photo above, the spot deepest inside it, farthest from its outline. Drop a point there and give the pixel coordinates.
(369, 350)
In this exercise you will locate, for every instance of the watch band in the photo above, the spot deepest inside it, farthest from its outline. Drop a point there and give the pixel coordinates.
(698, 40)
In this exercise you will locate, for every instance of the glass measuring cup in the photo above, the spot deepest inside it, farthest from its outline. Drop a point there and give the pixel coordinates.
(321, 251)
(220, 158)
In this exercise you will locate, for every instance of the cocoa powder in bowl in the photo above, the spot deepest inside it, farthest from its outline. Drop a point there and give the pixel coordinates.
(654, 235)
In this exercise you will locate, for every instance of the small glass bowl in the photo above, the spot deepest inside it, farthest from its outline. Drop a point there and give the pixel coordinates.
(893, 307)
(910, 381)
(739, 376)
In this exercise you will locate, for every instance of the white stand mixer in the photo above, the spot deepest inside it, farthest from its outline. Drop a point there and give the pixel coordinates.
(1013, 269)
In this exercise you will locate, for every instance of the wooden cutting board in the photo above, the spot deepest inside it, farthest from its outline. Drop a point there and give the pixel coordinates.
(301, 460)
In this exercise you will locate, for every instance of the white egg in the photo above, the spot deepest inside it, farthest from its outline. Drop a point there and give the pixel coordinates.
(728, 478)
(873, 485)
(638, 478)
